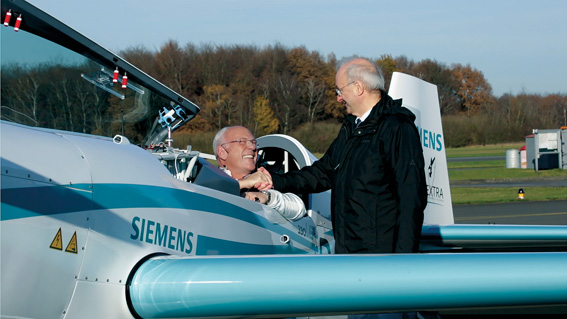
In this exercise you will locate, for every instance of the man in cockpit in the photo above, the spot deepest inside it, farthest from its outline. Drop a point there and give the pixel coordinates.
(236, 151)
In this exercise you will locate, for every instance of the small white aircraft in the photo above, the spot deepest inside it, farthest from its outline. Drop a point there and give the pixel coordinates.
(96, 227)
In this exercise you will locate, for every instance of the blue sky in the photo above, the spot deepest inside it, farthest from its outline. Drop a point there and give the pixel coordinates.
(520, 46)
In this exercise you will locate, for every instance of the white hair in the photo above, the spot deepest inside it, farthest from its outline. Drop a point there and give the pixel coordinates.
(219, 139)
(371, 76)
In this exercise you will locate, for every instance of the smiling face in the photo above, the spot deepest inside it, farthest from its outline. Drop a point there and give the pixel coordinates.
(238, 157)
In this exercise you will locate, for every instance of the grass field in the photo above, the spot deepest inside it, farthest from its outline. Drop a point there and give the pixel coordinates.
(487, 195)
(484, 150)
(461, 171)
(496, 171)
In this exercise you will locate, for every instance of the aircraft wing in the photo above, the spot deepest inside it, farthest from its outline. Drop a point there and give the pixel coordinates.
(463, 237)
(284, 286)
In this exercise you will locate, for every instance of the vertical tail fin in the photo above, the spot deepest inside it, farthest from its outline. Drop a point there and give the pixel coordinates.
(422, 99)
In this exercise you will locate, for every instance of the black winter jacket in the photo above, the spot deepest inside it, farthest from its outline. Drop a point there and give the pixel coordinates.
(376, 173)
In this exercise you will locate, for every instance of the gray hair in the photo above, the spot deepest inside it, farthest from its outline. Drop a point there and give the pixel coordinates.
(369, 74)
(219, 139)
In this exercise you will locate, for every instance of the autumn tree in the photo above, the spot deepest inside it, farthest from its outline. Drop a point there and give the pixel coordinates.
(332, 107)
(447, 86)
(245, 83)
(553, 110)
(388, 66)
(305, 65)
(215, 100)
(473, 89)
(310, 71)
(403, 64)
(264, 118)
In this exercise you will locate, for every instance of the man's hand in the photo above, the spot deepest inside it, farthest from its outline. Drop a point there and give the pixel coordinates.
(268, 176)
(257, 180)
(264, 171)
(257, 197)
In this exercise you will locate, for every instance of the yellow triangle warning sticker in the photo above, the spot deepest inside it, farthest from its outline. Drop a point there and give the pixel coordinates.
(72, 246)
(56, 243)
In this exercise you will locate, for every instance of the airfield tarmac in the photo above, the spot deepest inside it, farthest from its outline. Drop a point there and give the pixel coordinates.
(521, 212)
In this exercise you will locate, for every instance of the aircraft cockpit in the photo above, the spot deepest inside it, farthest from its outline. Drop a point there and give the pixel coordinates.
(55, 78)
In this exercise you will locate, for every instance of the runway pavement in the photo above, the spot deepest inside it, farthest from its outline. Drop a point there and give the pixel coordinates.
(518, 213)
(548, 182)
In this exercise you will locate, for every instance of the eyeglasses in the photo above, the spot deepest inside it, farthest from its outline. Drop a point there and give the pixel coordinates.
(339, 89)
(243, 141)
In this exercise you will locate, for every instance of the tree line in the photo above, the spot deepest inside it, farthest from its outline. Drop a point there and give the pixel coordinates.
(273, 89)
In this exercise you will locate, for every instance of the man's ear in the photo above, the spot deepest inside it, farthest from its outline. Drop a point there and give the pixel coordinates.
(359, 87)
(221, 153)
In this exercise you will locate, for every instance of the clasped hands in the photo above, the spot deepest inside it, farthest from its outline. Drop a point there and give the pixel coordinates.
(260, 180)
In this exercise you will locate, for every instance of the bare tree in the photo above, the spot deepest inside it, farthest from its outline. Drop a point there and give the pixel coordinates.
(287, 92)
(315, 97)
(24, 95)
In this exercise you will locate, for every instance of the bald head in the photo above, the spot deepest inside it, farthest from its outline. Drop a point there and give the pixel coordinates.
(235, 148)
(363, 70)
(359, 82)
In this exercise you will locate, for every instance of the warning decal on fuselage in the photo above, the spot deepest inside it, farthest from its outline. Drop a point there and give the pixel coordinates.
(57, 242)
(72, 246)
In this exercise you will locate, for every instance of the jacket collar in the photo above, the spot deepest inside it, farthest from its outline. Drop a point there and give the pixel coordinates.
(385, 105)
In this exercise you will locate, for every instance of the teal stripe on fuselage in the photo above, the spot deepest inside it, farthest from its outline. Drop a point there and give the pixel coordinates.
(32, 202)
(144, 196)
(206, 246)
(44, 201)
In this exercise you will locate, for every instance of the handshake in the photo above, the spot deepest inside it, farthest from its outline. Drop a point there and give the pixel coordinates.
(260, 180)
